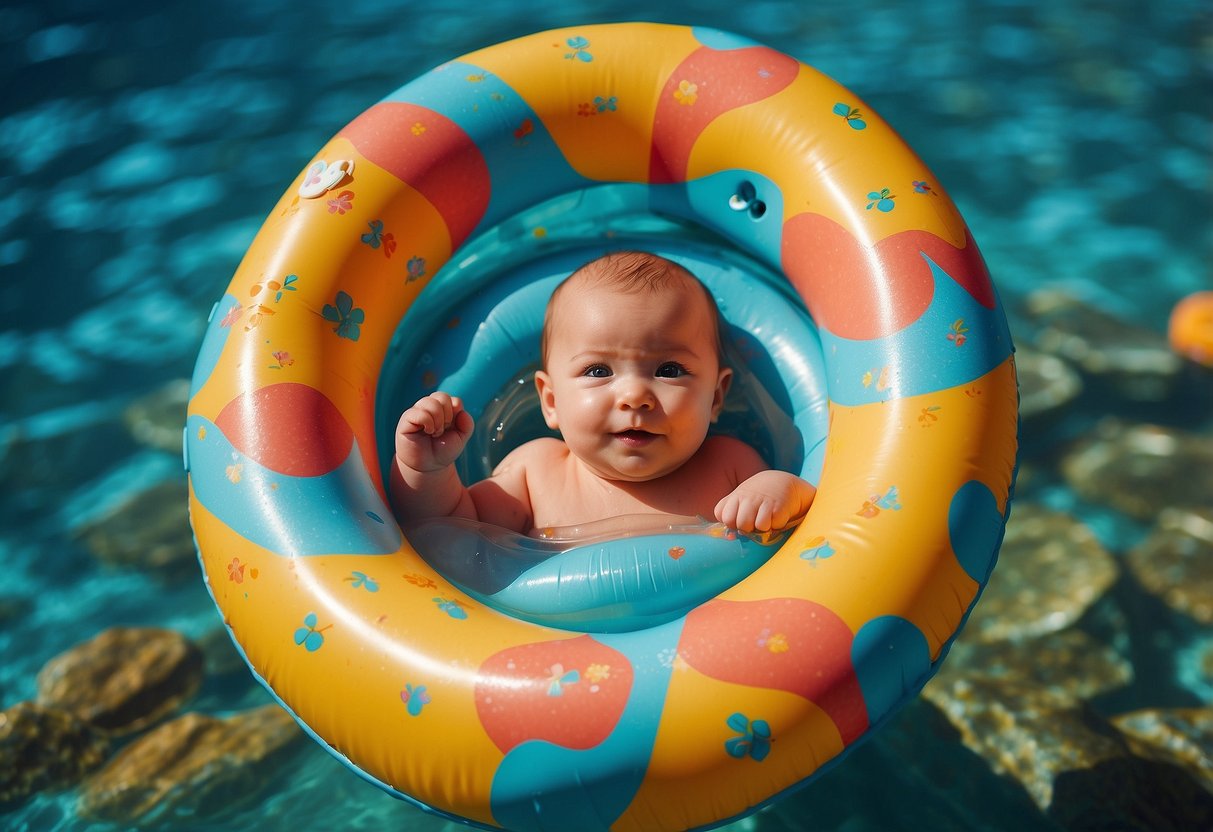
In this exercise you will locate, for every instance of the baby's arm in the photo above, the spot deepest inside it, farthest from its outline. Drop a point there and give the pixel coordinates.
(765, 499)
(429, 438)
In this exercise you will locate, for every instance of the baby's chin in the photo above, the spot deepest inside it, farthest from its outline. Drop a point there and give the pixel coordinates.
(641, 472)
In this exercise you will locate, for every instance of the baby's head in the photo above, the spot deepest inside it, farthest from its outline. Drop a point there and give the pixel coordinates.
(632, 371)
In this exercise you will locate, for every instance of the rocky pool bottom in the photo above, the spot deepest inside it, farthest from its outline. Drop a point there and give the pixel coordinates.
(1078, 697)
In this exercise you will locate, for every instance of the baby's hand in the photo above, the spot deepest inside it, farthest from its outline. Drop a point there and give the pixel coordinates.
(767, 501)
(431, 434)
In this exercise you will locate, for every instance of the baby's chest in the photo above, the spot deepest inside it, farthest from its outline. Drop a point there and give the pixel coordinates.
(557, 501)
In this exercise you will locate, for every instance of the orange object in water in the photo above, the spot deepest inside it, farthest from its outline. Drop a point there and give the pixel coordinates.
(1190, 329)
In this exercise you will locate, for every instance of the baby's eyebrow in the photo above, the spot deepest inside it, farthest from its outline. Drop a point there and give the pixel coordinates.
(659, 350)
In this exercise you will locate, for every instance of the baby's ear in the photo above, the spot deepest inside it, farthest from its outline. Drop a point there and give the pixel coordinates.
(547, 398)
(722, 389)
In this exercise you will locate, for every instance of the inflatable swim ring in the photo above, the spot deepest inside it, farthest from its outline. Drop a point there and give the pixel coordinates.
(594, 137)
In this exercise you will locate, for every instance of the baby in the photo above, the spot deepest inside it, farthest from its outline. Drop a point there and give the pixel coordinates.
(632, 378)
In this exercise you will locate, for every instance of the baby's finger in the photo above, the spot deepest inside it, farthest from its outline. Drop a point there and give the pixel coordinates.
(424, 417)
(726, 511)
(762, 516)
(413, 420)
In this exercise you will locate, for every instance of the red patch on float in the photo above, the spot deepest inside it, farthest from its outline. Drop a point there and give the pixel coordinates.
(725, 640)
(289, 428)
(441, 162)
(866, 292)
(570, 693)
(722, 81)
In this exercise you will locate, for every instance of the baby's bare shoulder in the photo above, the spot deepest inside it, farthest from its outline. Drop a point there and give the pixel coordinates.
(543, 451)
(726, 453)
(723, 449)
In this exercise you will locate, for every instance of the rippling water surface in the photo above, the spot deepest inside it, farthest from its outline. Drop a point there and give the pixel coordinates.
(142, 144)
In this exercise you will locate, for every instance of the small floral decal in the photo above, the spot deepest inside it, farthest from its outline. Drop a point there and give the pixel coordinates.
(360, 579)
(288, 285)
(851, 114)
(415, 268)
(257, 312)
(558, 678)
(236, 571)
(586, 109)
(415, 698)
(420, 580)
(598, 672)
(580, 47)
(817, 549)
(476, 77)
(307, 635)
(233, 472)
(687, 93)
(957, 332)
(341, 203)
(922, 188)
(233, 314)
(261, 292)
(876, 503)
(676, 552)
(284, 360)
(774, 642)
(882, 380)
(753, 738)
(418, 128)
(347, 317)
(881, 200)
(603, 104)
(452, 608)
(374, 238)
(927, 417)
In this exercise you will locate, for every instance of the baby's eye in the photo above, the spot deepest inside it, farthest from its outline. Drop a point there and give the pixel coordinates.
(671, 369)
(597, 371)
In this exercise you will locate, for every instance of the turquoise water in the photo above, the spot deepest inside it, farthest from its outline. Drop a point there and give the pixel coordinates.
(144, 143)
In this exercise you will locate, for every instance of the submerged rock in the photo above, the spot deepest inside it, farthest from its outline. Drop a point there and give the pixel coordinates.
(196, 768)
(1076, 766)
(1069, 662)
(1142, 469)
(1176, 561)
(157, 419)
(123, 680)
(44, 748)
(1047, 386)
(149, 530)
(1134, 361)
(1181, 736)
(1051, 570)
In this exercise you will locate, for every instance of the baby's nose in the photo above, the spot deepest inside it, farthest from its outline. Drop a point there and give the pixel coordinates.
(634, 394)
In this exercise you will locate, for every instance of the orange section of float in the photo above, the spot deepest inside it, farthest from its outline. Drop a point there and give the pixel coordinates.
(615, 147)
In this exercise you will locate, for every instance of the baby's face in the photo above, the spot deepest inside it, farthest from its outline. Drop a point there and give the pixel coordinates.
(633, 380)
